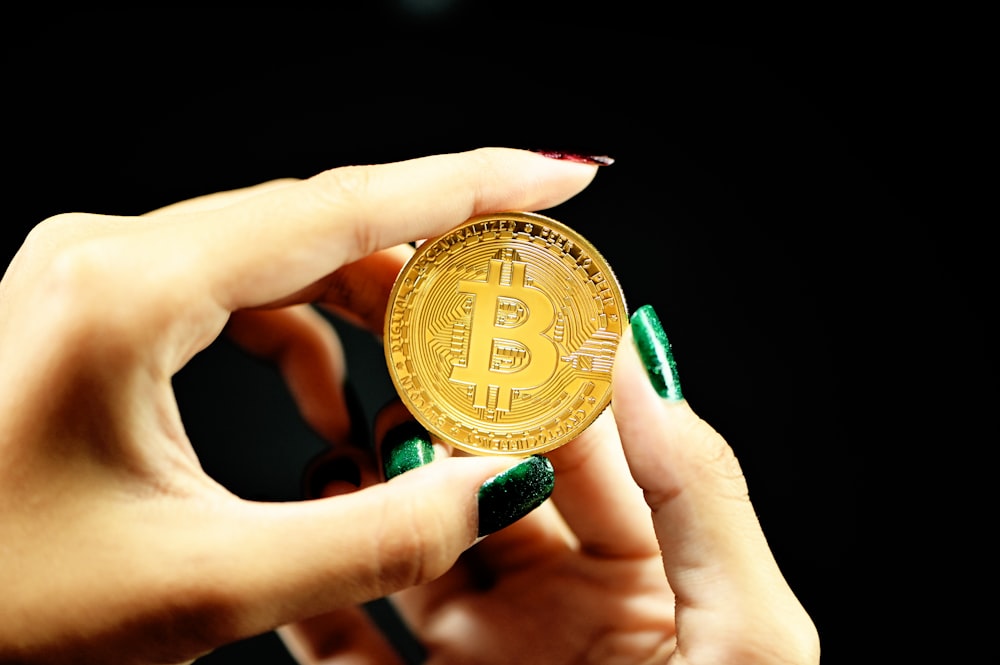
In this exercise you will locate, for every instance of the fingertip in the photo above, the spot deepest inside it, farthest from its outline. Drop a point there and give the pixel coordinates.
(402, 443)
(513, 493)
(404, 448)
(656, 353)
(547, 181)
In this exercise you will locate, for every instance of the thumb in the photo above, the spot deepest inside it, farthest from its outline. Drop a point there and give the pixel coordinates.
(731, 596)
(276, 563)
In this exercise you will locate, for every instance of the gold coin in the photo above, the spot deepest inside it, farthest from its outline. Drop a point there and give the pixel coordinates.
(500, 335)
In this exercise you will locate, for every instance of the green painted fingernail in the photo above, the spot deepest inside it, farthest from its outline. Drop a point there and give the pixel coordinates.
(656, 354)
(405, 447)
(509, 496)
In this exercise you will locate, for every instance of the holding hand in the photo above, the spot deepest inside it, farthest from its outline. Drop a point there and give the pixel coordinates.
(115, 546)
(648, 552)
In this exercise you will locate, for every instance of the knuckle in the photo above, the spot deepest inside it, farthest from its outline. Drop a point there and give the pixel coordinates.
(719, 465)
(99, 286)
(92, 290)
(51, 234)
(708, 461)
(415, 552)
(481, 161)
(724, 464)
(73, 252)
(346, 192)
(343, 187)
(80, 274)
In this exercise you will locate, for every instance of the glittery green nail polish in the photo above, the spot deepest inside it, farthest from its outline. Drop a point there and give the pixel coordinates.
(405, 447)
(509, 496)
(656, 354)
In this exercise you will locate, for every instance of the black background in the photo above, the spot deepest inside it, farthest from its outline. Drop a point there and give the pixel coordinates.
(778, 196)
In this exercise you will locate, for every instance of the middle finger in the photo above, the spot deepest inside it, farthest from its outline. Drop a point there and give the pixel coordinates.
(359, 292)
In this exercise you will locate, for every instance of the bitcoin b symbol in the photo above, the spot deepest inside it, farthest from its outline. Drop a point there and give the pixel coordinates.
(507, 347)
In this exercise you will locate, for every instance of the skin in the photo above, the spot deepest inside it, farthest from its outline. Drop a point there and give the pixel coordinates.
(115, 546)
(649, 552)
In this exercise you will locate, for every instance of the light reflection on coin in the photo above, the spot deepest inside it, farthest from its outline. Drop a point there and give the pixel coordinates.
(500, 335)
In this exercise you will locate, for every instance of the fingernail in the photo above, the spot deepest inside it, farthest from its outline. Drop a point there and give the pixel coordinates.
(405, 447)
(509, 496)
(656, 354)
(596, 160)
(325, 470)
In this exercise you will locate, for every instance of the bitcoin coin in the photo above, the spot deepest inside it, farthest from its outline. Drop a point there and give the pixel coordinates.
(500, 335)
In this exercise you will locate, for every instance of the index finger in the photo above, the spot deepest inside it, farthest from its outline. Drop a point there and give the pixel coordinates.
(268, 247)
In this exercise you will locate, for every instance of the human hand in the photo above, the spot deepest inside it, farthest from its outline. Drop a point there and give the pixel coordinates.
(648, 552)
(115, 546)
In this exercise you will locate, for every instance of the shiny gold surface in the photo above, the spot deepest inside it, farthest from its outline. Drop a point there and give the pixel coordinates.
(500, 335)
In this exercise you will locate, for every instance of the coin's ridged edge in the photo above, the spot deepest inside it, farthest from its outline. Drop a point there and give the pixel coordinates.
(512, 215)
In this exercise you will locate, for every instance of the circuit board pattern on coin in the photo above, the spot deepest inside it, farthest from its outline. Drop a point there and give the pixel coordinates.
(500, 335)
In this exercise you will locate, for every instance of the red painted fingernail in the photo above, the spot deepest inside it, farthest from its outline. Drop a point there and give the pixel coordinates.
(596, 160)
